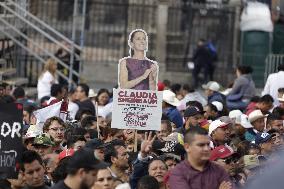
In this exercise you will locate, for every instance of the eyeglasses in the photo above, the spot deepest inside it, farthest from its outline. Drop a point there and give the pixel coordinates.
(57, 129)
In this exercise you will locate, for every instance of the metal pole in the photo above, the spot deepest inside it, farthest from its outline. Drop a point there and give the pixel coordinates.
(75, 13)
(82, 37)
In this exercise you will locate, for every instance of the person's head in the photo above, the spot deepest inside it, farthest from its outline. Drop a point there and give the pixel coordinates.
(104, 179)
(32, 167)
(18, 93)
(82, 91)
(102, 97)
(211, 112)
(171, 160)
(148, 182)
(50, 162)
(43, 145)
(225, 157)
(253, 149)
(278, 111)
(166, 129)
(281, 97)
(277, 139)
(192, 117)
(76, 142)
(242, 69)
(6, 88)
(97, 146)
(83, 167)
(275, 122)
(200, 42)
(219, 131)
(79, 132)
(28, 116)
(138, 41)
(158, 169)
(211, 87)
(256, 118)
(102, 122)
(57, 91)
(196, 145)
(265, 142)
(187, 89)
(89, 122)
(55, 127)
(280, 67)
(265, 103)
(176, 88)
(116, 154)
(50, 66)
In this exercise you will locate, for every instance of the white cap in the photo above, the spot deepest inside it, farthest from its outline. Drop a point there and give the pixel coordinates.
(212, 85)
(218, 105)
(33, 131)
(216, 124)
(234, 114)
(254, 115)
(170, 98)
(92, 93)
(243, 121)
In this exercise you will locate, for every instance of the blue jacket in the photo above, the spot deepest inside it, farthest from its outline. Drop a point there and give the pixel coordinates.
(174, 116)
(216, 96)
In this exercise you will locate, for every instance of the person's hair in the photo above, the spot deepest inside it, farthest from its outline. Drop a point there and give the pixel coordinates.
(272, 117)
(111, 149)
(242, 147)
(60, 172)
(73, 139)
(81, 112)
(255, 99)
(56, 89)
(7, 99)
(85, 88)
(148, 182)
(19, 92)
(168, 123)
(212, 107)
(195, 104)
(165, 117)
(49, 121)
(266, 99)
(131, 37)
(280, 67)
(278, 111)
(48, 67)
(28, 157)
(244, 69)
(252, 146)
(281, 90)
(87, 121)
(191, 132)
(188, 88)
(93, 133)
(167, 83)
(101, 91)
(30, 109)
(176, 87)
(157, 159)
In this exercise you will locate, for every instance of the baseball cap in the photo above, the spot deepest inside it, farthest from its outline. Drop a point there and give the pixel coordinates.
(191, 111)
(254, 115)
(170, 98)
(216, 124)
(262, 137)
(212, 85)
(218, 105)
(235, 113)
(95, 144)
(85, 158)
(243, 121)
(221, 152)
(43, 140)
(66, 153)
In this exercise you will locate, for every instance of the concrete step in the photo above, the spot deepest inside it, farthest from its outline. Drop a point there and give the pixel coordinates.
(7, 72)
(18, 81)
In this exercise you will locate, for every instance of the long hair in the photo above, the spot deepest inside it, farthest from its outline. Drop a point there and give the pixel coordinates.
(48, 67)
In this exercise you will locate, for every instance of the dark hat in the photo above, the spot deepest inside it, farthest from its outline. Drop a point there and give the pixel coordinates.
(262, 137)
(173, 147)
(85, 158)
(191, 111)
(95, 144)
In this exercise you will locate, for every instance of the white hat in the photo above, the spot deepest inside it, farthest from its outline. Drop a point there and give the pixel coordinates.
(170, 98)
(33, 131)
(92, 93)
(243, 121)
(212, 85)
(281, 99)
(216, 124)
(254, 115)
(234, 114)
(218, 105)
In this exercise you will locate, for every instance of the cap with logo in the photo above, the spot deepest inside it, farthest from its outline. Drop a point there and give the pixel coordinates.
(191, 111)
(216, 124)
(66, 153)
(221, 152)
(262, 137)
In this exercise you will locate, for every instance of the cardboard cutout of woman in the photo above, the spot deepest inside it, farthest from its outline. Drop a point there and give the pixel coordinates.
(137, 71)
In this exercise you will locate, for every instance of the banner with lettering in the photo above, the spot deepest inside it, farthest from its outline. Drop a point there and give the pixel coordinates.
(11, 118)
(137, 109)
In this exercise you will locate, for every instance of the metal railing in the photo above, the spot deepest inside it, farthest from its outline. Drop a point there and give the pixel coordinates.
(42, 28)
(271, 64)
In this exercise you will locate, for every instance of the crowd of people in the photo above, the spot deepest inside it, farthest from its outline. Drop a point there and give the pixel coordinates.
(220, 140)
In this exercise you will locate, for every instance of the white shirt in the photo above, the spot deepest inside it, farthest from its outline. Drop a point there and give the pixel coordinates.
(273, 83)
(72, 109)
(195, 96)
(44, 84)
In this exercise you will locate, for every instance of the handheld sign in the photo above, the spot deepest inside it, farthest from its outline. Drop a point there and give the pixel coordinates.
(10, 139)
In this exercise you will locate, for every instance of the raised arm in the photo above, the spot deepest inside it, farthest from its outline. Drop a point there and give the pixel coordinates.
(123, 76)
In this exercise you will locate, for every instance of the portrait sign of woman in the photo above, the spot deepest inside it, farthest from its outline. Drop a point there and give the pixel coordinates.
(137, 71)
